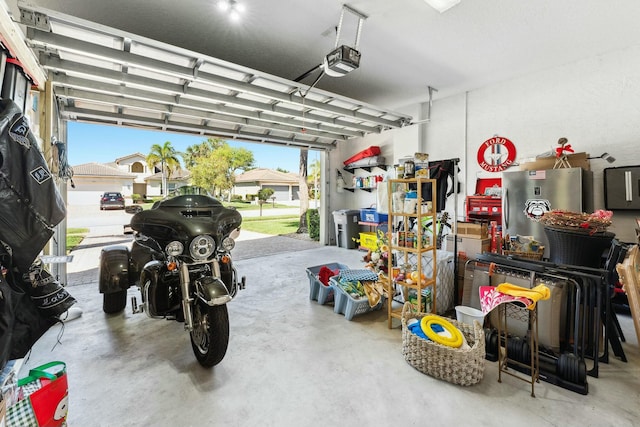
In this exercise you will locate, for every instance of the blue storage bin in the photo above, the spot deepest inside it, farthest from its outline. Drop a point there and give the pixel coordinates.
(371, 215)
(318, 291)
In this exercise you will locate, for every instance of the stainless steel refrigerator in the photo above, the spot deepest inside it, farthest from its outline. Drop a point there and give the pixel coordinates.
(526, 195)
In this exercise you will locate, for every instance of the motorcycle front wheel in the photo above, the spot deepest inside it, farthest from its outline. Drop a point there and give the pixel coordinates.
(210, 335)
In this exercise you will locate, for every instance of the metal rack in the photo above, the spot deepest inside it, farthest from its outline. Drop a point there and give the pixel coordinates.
(572, 314)
(529, 351)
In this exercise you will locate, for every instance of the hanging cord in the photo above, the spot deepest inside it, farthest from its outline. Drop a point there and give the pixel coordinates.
(64, 170)
(59, 335)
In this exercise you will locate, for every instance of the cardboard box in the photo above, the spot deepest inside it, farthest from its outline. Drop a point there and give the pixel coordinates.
(473, 230)
(576, 160)
(468, 246)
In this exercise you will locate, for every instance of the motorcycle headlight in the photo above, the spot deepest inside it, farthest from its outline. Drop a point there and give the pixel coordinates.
(202, 247)
(174, 248)
(228, 243)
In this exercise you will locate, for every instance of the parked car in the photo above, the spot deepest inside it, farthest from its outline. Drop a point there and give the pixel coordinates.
(111, 200)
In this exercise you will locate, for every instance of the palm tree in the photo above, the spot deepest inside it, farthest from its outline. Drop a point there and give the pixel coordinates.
(314, 179)
(167, 156)
(197, 151)
(304, 192)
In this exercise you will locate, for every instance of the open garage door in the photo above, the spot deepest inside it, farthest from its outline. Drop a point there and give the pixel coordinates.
(98, 74)
(106, 76)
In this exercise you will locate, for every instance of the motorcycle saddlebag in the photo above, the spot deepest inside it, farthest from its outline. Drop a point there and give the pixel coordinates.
(30, 204)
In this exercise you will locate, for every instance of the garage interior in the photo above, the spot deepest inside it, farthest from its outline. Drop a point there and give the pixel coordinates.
(290, 360)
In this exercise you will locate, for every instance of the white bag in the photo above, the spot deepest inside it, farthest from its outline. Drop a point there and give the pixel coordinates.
(382, 196)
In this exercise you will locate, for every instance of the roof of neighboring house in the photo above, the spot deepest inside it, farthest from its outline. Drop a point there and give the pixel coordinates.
(99, 169)
(267, 175)
(129, 156)
(179, 175)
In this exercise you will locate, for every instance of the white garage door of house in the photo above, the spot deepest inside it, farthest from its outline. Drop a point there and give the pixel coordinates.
(281, 192)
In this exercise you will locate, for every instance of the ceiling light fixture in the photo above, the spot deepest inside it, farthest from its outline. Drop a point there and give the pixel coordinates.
(442, 5)
(233, 9)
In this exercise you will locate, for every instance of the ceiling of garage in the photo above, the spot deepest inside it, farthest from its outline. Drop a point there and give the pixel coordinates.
(406, 48)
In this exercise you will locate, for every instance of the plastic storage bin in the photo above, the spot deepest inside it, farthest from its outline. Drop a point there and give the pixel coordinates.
(347, 227)
(348, 305)
(318, 291)
(444, 278)
(371, 215)
(368, 240)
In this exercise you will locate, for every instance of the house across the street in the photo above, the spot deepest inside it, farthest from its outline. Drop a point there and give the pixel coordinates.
(131, 175)
(286, 186)
(127, 175)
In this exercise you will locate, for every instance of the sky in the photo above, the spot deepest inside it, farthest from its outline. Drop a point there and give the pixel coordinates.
(89, 143)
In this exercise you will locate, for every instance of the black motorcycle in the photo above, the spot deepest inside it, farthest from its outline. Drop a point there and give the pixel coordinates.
(180, 260)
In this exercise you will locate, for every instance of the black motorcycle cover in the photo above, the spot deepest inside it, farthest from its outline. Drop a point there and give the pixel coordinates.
(22, 323)
(29, 323)
(7, 320)
(46, 292)
(30, 204)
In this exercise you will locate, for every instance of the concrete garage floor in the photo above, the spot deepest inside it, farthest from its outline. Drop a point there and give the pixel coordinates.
(292, 362)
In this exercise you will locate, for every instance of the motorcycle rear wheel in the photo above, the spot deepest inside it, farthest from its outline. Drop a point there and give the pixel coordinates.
(210, 335)
(114, 302)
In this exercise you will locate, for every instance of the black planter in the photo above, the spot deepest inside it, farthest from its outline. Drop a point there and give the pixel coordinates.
(577, 247)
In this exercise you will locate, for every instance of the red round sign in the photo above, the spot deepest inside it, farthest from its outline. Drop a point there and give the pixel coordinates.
(496, 154)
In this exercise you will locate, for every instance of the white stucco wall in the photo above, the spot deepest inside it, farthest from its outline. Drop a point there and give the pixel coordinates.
(595, 103)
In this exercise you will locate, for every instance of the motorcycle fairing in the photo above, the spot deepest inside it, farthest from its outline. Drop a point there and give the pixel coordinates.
(183, 217)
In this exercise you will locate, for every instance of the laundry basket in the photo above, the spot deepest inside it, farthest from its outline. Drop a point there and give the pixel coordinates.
(463, 366)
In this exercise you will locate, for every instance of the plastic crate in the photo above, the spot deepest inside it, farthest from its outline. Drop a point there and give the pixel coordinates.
(350, 306)
(371, 215)
(368, 240)
(317, 290)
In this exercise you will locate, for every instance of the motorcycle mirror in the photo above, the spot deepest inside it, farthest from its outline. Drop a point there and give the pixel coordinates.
(133, 209)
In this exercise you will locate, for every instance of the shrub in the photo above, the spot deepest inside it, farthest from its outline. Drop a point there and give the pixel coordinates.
(136, 198)
(251, 197)
(313, 222)
(265, 193)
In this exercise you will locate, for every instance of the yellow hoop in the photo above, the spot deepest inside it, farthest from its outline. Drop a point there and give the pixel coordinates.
(455, 340)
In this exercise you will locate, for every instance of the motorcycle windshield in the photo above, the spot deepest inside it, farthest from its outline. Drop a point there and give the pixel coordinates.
(185, 216)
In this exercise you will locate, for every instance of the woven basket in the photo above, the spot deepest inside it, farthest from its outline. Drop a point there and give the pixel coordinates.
(575, 221)
(455, 365)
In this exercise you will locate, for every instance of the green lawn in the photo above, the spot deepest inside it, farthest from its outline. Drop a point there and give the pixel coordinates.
(274, 225)
(255, 207)
(240, 206)
(74, 237)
